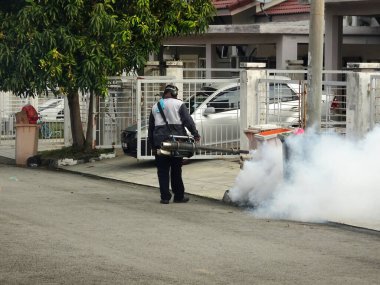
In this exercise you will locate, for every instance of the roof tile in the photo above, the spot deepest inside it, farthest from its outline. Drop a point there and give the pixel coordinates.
(230, 4)
(288, 7)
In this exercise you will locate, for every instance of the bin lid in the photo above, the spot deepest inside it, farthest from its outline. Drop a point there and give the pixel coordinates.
(266, 135)
(275, 132)
(263, 127)
(260, 128)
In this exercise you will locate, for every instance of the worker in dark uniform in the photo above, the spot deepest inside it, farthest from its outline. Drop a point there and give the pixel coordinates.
(168, 167)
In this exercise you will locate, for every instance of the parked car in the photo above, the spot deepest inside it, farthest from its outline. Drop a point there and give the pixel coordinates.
(221, 109)
(218, 117)
(52, 110)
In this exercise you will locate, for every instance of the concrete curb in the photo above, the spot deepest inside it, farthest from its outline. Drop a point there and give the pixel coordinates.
(139, 184)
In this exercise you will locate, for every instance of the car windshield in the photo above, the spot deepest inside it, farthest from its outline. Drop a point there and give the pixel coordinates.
(193, 102)
(226, 100)
(50, 104)
(281, 93)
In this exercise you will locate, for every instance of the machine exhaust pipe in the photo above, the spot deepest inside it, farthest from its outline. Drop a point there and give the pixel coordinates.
(189, 148)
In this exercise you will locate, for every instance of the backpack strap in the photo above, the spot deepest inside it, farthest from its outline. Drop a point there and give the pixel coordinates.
(163, 115)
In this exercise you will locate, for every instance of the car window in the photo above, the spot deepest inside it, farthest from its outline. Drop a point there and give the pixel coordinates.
(51, 104)
(195, 101)
(226, 100)
(281, 93)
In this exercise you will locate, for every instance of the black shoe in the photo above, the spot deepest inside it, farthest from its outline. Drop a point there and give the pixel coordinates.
(164, 201)
(183, 200)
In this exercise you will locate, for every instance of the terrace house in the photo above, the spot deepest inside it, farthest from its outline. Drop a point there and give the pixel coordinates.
(277, 32)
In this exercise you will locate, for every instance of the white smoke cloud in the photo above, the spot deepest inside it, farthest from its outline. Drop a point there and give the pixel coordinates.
(331, 179)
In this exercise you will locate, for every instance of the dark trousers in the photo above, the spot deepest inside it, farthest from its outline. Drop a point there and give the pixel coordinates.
(170, 168)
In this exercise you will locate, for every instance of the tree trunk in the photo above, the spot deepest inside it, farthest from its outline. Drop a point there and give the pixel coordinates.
(89, 144)
(76, 122)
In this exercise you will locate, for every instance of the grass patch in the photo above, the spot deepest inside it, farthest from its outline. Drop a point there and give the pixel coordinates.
(69, 152)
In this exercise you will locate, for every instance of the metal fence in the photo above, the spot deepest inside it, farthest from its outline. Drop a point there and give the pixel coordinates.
(282, 98)
(54, 130)
(9, 106)
(51, 113)
(122, 117)
(219, 129)
(116, 112)
(213, 102)
(211, 73)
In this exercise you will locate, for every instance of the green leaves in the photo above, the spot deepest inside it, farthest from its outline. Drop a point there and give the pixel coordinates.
(76, 44)
(24, 61)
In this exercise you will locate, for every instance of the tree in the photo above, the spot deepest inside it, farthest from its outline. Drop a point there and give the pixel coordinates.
(69, 46)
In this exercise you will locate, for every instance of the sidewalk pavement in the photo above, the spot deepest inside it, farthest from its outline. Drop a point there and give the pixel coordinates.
(205, 178)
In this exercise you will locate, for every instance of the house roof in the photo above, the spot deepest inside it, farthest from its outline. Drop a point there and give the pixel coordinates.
(230, 4)
(287, 7)
(283, 8)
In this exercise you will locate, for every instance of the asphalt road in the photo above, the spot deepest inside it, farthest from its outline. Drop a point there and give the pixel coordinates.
(62, 228)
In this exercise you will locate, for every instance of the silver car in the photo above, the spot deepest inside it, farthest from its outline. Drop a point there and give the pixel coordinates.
(218, 117)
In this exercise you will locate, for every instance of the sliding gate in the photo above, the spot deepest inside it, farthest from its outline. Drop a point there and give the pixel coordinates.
(125, 112)
(214, 105)
(218, 129)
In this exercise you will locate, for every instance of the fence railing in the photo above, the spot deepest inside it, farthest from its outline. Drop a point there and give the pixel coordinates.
(282, 99)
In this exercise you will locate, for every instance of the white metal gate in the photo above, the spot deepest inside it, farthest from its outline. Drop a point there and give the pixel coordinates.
(116, 112)
(122, 117)
(219, 129)
(9, 106)
(282, 97)
(51, 112)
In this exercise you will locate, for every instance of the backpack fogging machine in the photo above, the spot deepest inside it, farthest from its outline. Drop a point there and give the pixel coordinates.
(185, 146)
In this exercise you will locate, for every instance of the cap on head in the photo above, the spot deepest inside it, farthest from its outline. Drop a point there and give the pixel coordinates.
(171, 89)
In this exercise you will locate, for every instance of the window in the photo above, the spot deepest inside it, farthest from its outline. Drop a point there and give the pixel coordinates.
(281, 92)
(226, 100)
(50, 104)
(196, 100)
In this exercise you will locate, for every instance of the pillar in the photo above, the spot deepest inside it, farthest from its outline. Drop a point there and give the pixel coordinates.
(286, 49)
(208, 60)
(175, 69)
(249, 76)
(152, 68)
(333, 42)
(359, 103)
